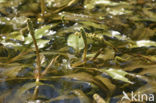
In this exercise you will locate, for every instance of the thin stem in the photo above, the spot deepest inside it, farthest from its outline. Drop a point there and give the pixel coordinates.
(62, 19)
(51, 63)
(31, 30)
(109, 44)
(42, 4)
(85, 42)
(35, 94)
(78, 64)
(24, 52)
(97, 54)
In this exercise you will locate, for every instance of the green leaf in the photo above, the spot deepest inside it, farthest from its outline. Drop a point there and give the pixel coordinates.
(117, 74)
(76, 42)
(42, 31)
(90, 4)
(1, 1)
(39, 33)
(145, 43)
(42, 43)
(95, 25)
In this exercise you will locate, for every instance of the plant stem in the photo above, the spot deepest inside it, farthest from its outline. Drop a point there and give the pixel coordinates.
(47, 68)
(42, 4)
(97, 54)
(85, 42)
(38, 68)
(35, 94)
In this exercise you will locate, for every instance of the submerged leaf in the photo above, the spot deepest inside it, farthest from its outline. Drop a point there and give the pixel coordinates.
(82, 96)
(76, 41)
(145, 43)
(25, 88)
(39, 33)
(88, 78)
(62, 97)
(106, 82)
(98, 98)
(43, 31)
(118, 74)
(11, 72)
(90, 4)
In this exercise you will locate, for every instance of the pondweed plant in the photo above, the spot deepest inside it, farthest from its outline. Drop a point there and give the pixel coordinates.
(38, 66)
(43, 7)
(37, 72)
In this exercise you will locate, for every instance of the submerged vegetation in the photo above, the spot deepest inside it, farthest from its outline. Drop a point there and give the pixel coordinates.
(77, 51)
